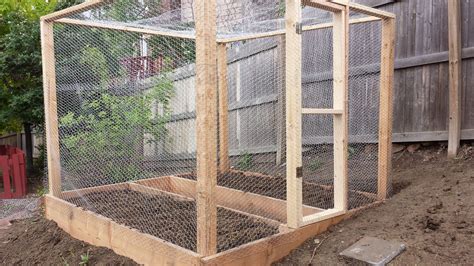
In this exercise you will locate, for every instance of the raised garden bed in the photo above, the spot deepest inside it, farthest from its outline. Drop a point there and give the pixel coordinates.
(315, 195)
(153, 220)
(173, 218)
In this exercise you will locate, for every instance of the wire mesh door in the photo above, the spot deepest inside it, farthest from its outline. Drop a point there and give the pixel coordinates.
(317, 104)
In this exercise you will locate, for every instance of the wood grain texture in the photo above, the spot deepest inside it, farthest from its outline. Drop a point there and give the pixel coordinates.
(88, 5)
(224, 163)
(293, 114)
(341, 102)
(206, 126)
(50, 108)
(455, 70)
(101, 231)
(386, 107)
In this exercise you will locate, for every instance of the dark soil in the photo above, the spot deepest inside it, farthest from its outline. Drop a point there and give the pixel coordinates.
(433, 214)
(173, 219)
(313, 194)
(37, 241)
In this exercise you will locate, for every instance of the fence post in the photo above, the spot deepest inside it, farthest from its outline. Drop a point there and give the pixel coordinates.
(455, 62)
(50, 108)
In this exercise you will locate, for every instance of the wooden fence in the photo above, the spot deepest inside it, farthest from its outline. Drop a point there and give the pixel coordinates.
(421, 88)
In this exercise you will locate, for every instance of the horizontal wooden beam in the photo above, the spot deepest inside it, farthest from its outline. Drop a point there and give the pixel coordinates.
(366, 10)
(282, 32)
(251, 36)
(127, 28)
(330, 24)
(430, 136)
(321, 111)
(88, 5)
(433, 58)
(376, 3)
(324, 5)
(83, 191)
(321, 216)
(255, 204)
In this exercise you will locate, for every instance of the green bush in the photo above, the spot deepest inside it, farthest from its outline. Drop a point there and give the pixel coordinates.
(110, 129)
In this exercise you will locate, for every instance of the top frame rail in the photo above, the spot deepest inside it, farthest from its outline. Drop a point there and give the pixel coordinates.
(325, 5)
(365, 9)
(88, 5)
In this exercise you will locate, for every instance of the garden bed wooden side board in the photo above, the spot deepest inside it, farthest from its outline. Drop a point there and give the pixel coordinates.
(150, 250)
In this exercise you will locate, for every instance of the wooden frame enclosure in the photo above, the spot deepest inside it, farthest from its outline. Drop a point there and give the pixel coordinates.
(297, 222)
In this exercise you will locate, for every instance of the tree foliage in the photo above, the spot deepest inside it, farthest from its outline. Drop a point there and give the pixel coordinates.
(21, 93)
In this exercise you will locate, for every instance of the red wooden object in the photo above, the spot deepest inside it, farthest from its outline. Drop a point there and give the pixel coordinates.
(13, 169)
(142, 67)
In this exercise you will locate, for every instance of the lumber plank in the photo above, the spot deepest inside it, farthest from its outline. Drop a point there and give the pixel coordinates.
(370, 11)
(50, 108)
(280, 104)
(101, 231)
(386, 107)
(127, 28)
(224, 162)
(247, 202)
(270, 249)
(206, 126)
(340, 102)
(88, 5)
(83, 191)
(282, 32)
(293, 113)
(324, 5)
(455, 79)
(322, 111)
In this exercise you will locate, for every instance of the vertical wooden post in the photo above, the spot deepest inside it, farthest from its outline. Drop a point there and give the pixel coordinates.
(206, 126)
(224, 164)
(294, 198)
(386, 106)
(50, 108)
(455, 61)
(340, 101)
(280, 112)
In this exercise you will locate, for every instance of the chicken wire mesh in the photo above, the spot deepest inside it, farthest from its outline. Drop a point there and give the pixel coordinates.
(127, 122)
(363, 104)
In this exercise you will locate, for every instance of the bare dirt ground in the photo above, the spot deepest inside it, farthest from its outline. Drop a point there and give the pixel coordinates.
(433, 214)
(37, 241)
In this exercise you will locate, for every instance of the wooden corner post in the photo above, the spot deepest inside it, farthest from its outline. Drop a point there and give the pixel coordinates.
(455, 60)
(340, 102)
(293, 114)
(206, 126)
(50, 108)
(224, 164)
(386, 106)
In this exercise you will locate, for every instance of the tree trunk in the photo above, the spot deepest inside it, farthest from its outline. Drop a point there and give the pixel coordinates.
(29, 149)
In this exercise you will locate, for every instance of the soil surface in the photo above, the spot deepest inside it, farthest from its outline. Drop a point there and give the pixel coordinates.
(173, 219)
(313, 194)
(37, 241)
(433, 213)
